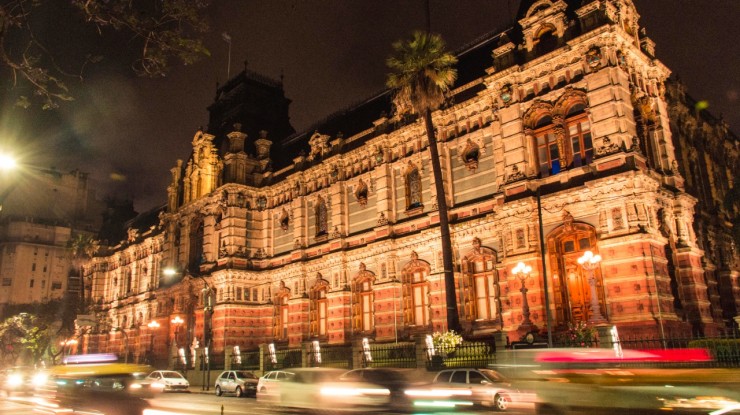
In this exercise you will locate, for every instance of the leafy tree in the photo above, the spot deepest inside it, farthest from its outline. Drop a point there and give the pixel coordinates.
(423, 72)
(160, 30)
(26, 338)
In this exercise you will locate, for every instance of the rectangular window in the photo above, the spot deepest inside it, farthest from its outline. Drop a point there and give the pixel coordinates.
(7, 282)
(247, 294)
(33, 267)
(31, 284)
(238, 294)
(56, 285)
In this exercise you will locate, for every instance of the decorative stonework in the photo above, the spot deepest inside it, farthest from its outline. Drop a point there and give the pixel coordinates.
(361, 193)
(470, 155)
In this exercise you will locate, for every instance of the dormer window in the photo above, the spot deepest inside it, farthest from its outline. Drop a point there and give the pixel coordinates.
(546, 40)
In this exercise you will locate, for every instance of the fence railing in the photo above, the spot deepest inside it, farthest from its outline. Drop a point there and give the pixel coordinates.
(467, 354)
(399, 355)
(331, 356)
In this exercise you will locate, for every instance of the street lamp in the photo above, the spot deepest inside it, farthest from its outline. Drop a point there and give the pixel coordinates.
(177, 322)
(522, 271)
(153, 325)
(590, 262)
(67, 346)
(7, 164)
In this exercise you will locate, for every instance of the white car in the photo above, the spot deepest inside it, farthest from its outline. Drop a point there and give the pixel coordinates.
(168, 381)
(268, 386)
(321, 388)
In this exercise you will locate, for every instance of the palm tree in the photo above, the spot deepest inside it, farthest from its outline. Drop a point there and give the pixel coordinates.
(82, 247)
(423, 72)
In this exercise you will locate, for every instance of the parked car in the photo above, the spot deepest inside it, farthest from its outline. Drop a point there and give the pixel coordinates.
(489, 388)
(239, 382)
(268, 386)
(168, 381)
(320, 389)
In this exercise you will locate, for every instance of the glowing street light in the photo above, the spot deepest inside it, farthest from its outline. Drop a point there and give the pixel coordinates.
(67, 346)
(522, 271)
(153, 325)
(7, 162)
(589, 262)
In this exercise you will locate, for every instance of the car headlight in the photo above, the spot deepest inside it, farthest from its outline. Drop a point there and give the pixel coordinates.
(15, 380)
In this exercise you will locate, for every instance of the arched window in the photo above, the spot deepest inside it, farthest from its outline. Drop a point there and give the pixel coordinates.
(280, 318)
(415, 289)
(362, 301)
(321, 217)
(480, 286)
(318, 307)
(563, 142)
(546, 40)
(413, 187)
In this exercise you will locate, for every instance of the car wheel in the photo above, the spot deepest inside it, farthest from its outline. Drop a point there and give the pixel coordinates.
(238, 392)
(500, 402)
(218, 391)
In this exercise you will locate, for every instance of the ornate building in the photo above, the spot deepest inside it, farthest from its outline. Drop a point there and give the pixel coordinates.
(564, 135)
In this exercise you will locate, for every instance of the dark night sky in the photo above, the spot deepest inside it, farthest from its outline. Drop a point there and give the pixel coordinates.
(128, 132)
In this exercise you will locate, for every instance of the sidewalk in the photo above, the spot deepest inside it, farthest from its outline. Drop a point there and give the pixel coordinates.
(199, 389)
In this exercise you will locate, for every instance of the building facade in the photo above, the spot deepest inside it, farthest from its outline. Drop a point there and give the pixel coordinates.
(564, 135)
(40, 212)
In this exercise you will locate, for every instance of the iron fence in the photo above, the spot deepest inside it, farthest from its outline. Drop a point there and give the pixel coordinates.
(331, 356)
(246, 360)
(282, 359)
(467, 354)
(397, 355)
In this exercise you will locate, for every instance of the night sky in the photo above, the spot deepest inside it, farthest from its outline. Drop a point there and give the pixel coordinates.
(128, 132)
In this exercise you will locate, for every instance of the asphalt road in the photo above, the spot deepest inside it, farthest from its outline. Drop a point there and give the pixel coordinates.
(203, 404)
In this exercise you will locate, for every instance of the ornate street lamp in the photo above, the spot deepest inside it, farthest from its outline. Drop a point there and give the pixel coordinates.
(522, 271)
(590, 262)
(153, 325)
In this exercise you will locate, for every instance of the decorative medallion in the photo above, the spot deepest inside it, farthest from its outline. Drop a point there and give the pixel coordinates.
(379, 156)
(284, 220)
(505, 94)
(593, 57)
(261, 203)
(361, 193)
(470, 155)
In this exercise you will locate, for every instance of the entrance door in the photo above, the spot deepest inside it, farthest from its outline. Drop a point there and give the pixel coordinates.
(573, 299)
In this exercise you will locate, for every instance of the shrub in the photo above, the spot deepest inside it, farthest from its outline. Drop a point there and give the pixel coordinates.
(446, 342)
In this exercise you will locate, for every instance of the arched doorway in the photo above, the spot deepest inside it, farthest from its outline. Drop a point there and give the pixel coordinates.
(571, 289)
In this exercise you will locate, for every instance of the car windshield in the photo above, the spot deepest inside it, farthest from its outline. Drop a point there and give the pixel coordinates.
(245, 375)
(172, 375)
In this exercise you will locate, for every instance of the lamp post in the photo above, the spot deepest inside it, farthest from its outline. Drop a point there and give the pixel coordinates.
(153, 325)
(522, 271)
(207, 315)
(177, 321)
(590, 262)
(67, 346)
